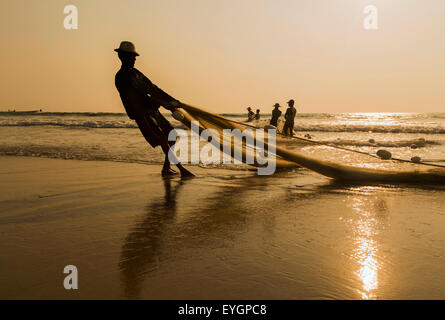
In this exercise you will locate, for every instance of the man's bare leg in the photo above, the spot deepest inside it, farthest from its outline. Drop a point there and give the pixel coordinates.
(184, 171)
(167, 170)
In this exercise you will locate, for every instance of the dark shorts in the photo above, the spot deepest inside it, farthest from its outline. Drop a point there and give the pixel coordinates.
(154, 127)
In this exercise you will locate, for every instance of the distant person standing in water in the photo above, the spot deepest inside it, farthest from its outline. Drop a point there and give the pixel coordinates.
(257, 115)
(250, 114)
(141, 99)
(276, 114)
(290, 114)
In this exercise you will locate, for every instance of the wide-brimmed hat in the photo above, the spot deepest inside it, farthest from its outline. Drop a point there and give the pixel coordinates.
(277, 105)
(291, 100)
(127, 46)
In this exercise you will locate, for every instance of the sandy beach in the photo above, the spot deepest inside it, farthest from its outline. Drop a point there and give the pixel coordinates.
(225, 234)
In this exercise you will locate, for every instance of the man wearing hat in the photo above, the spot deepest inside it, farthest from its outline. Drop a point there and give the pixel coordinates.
(276, 113)
(142, 99)
(250, 114)
(290, 114)
(257, 114)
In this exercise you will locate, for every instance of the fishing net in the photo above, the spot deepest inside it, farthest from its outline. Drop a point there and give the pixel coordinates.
(332, 161)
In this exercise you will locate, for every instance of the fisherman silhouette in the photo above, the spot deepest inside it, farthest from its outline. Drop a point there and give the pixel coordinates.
(257, 115)
(142, 99)
(250, 114)
(276, 113)
(290, 117)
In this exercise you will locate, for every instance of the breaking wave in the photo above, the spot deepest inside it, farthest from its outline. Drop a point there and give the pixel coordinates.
(69, 123)
(371, 128)
(112, 123)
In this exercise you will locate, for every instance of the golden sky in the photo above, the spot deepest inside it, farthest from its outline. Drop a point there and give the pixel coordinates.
(227, 55)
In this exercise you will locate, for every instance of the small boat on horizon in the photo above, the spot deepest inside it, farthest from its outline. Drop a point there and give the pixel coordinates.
(25, 111)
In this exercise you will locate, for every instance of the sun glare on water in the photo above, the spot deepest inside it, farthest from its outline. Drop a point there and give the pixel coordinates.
(367, 214)
(388, 118)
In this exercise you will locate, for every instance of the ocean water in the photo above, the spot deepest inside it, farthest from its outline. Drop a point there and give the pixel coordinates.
(226, 234)
(114, 137)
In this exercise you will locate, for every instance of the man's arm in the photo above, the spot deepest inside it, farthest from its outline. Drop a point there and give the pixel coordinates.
(158, 94)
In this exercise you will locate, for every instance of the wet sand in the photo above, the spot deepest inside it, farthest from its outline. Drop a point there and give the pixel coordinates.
(222, 235)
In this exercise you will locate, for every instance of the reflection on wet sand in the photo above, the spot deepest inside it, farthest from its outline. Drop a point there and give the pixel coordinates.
(143, 246)
(370, 216)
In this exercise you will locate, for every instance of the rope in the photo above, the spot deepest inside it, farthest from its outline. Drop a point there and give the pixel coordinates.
(432, 160)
